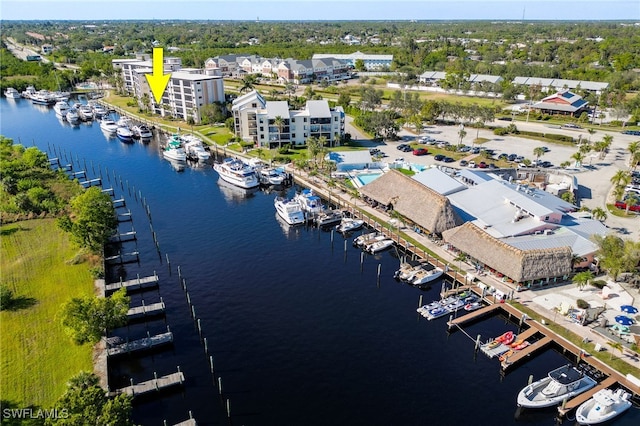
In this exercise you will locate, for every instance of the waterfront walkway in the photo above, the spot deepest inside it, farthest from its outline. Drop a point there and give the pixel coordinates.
(544, 301)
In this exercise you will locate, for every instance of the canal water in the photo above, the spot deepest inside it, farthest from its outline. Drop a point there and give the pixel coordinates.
(300, 331)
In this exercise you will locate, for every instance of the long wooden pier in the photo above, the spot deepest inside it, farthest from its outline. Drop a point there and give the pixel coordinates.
(153, 385)
(190, 422)
(129, 257)
(478, 313)
(144, 311)
(526, 352)
(141, 344)
(133, 285)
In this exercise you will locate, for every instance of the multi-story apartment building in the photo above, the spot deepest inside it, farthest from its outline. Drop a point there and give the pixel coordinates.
(371, 62)
(187, 91)
(271, 124)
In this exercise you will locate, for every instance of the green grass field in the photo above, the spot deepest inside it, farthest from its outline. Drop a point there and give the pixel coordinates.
(37, 357)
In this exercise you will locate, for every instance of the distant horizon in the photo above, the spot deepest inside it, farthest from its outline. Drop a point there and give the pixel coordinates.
(322, 11)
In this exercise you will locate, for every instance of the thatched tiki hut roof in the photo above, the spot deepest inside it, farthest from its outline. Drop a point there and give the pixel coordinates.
(418, 203)
(519, 265)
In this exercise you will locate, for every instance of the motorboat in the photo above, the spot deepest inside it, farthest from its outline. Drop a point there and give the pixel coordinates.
(195, 150)
(72, 115)
(364, 239)
(423, 276)
(12, 93)
(379, 246)
(29, 92)
(328, 217)
(289, 210)
(61, 108)
(472, 306)
(349, 225)
(236, 172)
(125, 121)
(124, 134)
(270, 176)
(174, 151)
(86, 112)
(141, 132)
(311, 203)
(60, 96)
(106, 124)
(562, 383)
(99, 111)
(437, 312)
(42, 97)
(404, 269)
(424, 309)
(603, 406)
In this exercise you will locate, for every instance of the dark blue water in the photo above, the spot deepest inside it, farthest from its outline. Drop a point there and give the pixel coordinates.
(301, 333)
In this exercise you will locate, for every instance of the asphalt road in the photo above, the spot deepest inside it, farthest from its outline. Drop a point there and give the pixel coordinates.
(594, 178)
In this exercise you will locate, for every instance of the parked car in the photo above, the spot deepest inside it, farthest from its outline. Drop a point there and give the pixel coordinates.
(401, 146)
(631, 132)
(472, 164)
(482, 165)
(622, 205)
(448, 160)
(502, 156)
(571, 126)
(438, 157)
(512, 157)
(420, 151)
(475, 150)
(464, 163)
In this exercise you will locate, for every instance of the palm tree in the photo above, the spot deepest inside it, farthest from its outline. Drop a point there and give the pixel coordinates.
(607, 140)
(634, 149)
(462, 133)
(578, 157)
(621, 178)
(615, 345)
(592, 132)
(582, 279)
(599, 214)
(618, 192)
(539, 152)
(248, 83)
(279, 123)
(631, 200)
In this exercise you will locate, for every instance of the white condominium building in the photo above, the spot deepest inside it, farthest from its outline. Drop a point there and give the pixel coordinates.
(271, 124)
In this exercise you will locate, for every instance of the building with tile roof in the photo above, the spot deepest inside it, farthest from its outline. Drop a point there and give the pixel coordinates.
(563, 103)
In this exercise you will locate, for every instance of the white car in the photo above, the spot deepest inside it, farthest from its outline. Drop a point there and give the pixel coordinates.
(472, 164)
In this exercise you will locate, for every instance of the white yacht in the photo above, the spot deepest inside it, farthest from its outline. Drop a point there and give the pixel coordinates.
(311, 203)
(423, 276)
(562, 383)
(12, 93)
(124, 134)
(195, 149)
(29, 92)
(72, 116)
(125, 121)
(379, 246)
(108, 125)
(603, 406)
(236, 172)
(61, 108)
(142, 131)
(174, 150)
(99, 111)
(349, 225)
(86, 112)
(289, 210)
(271, 176)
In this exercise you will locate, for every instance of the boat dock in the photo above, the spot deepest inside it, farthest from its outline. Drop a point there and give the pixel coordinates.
(141, 344)
(477, 314)
(91, 182)
(133, 285)
(130, 257)
(124, 237)
(190, 422)
(144, 311)
(153, 385)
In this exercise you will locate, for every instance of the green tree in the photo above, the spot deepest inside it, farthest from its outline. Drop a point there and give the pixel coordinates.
(93, 219)
(599, 213)
(578, 157)
(86, 403)
(248, 83)
(279, 122)
(621, 178)
(344, 100)
(634, 150)
(314, 146)
(87, 319)
(461, 134)
(538, 152)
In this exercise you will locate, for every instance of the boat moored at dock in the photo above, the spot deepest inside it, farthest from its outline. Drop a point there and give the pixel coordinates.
(603, 406)
(236, 172)
(562, 383)
(12, 93)
(289, 210)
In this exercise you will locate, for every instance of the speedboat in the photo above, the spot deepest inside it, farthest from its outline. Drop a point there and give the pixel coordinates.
(379, 246)
(124, 134)
(125, 121)
(364, 239)
(437, 312)
(107, 125)
(270, 176)
(99, 111)
(12, 93)
(423, 276)
(562, 383)
(604, 405)
(236, 172)
(141, 132)
(61, 108)
(311, 203)
(29, 92)
(42, 97)
(289, 210)
(349, 225)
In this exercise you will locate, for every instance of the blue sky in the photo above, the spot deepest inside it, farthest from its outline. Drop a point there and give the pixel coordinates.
(321, 10)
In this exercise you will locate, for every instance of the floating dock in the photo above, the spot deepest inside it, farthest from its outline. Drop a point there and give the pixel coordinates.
(91, 182)
(153, 385)
(477, 314)
(129, 257)
(141, 344)
(133, 285)
(123, 237)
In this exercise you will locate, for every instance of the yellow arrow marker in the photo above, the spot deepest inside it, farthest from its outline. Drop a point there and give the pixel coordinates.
(158, 81)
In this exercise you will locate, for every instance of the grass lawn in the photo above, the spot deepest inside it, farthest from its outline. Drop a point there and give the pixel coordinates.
(37, 357)
(620, 212)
